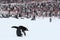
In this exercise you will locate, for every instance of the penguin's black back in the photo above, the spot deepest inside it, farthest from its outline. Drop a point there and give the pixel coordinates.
(18, 32)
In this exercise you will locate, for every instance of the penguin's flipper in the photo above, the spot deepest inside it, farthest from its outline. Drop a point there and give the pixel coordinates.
(14, 27)
(24, 33)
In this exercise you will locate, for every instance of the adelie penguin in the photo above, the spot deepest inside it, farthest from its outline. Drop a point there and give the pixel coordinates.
(19, 30)
(50, 20)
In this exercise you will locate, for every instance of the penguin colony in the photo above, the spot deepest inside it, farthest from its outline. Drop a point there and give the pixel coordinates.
(30, 9)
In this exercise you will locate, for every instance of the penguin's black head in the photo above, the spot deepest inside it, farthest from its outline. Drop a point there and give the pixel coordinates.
(23, 28)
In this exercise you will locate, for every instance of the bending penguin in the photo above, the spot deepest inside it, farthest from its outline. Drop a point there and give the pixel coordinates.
(20, 29)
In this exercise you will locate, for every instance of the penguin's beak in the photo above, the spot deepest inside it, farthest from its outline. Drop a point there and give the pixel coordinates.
(27, 29)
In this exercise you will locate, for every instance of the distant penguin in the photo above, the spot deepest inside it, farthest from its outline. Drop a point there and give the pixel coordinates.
(50, 20)
(33, 18)
(16, 16)
(5, 16)
(20, 29)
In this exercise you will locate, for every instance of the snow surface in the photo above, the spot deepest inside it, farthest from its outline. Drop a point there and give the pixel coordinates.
(39, 29)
